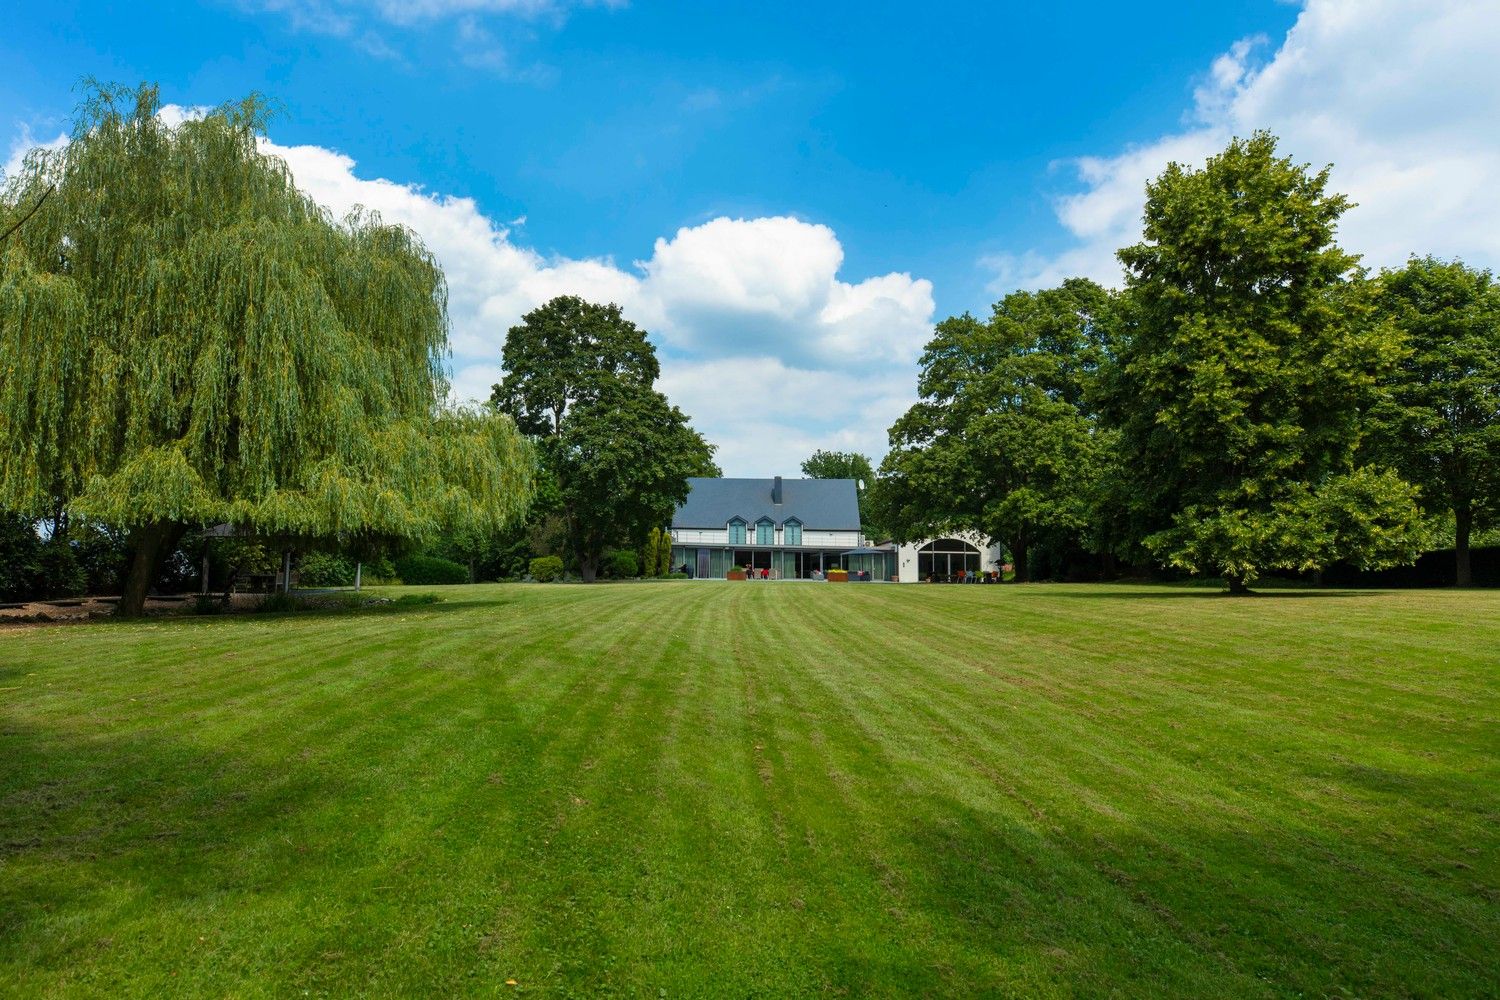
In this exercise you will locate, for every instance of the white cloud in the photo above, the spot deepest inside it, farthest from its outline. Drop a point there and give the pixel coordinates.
(1401, 98)
(25, 143)
(763, 344)
(773, 281)
(766, 414)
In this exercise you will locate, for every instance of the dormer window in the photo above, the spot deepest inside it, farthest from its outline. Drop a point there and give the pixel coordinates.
(737, 531)
(792, 533)
(765, 531)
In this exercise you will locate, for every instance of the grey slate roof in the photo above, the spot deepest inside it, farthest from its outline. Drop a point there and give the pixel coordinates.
(820, 504)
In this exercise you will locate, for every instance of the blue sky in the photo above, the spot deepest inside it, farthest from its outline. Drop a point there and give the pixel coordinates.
(788, 195)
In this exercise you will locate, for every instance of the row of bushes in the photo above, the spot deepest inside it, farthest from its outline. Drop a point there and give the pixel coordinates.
(328, 569)
(323, 569)
(82, 559)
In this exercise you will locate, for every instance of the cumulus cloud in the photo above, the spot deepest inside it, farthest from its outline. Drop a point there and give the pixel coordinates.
(773, 281)
(763, 343)
(1401, 98)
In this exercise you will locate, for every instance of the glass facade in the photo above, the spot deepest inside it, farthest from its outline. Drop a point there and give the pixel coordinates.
(712, 562)
(879, 565)
(942, 559)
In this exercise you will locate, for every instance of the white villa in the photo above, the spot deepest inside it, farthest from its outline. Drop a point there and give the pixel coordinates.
(800, 529)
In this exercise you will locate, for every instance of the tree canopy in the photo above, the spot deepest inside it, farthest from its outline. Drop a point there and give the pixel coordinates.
(616, 454)
(1246, 360)
(1001, 442)
(563, 354)
(1440, 422)
(187, 338)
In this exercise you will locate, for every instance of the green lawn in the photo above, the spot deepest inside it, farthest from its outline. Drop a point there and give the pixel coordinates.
(761, 790)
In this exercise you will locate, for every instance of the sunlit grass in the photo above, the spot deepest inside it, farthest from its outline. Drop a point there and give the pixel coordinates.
(746, 789)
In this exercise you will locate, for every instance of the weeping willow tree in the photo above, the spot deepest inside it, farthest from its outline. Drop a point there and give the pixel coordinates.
(185, 338)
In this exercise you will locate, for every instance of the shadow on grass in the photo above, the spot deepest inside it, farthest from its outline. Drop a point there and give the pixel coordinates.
(1191, 908)
(444, 606)
(1097, 591)
(93, 830)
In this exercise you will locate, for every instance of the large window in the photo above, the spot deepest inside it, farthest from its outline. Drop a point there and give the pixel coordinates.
(943, 558)
(737, 532)
(792, 533)
(765, 532)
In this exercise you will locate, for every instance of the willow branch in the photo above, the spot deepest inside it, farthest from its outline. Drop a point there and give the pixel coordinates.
(22, 220)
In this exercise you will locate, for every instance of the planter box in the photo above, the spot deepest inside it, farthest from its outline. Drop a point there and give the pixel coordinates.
(735, 575)
(838, 578)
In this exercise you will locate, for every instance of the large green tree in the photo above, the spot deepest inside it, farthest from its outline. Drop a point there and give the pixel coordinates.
(846, 465)
(1001, 441)
(186, 338)
(1440, 422)
(1246, 361)
(565, 353)
(617, 455)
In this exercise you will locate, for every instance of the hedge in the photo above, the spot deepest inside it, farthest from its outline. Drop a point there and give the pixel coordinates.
(325, 569)
(425, 570)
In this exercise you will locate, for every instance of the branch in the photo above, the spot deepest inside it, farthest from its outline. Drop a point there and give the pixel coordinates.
(22, 221)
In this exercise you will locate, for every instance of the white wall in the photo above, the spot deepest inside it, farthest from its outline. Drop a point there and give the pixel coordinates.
(700, 536)
(989, 555)
(720, 536)
(830, 539)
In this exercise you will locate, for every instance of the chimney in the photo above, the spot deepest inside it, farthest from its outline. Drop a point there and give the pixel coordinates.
(776, 492)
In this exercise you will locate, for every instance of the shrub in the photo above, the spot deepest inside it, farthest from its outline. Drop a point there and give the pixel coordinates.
(656, 556)
(20, 553)
(427, 570)
(278, 602)
(207, 604)
(621, 564)
(326, 569)
(59, 574)
(545, 569)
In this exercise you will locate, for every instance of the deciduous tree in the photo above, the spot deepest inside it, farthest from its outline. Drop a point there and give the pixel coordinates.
(186, 338)
(1440, 422)
(618, 455)
(1001, 441)
(1246, 361)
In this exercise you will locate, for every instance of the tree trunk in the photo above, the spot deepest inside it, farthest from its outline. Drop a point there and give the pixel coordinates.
(1018, 559)
(588, 568)
(1463, 519)
(358, 571)
(1237, 585)
(146, 543)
